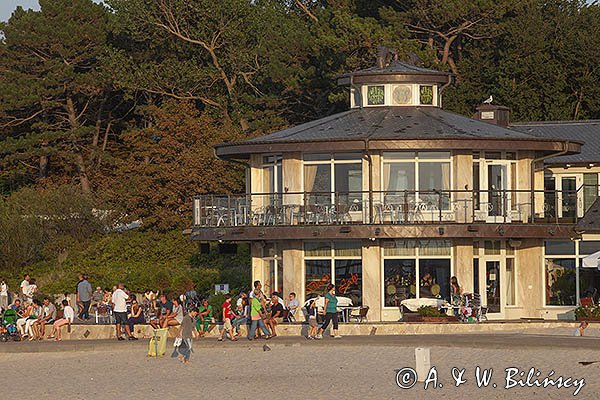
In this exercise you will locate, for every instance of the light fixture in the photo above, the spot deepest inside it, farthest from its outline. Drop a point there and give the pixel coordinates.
(345, 229)
(441, 230)
(377, 231)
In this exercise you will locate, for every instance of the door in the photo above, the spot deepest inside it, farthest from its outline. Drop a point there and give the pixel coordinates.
(493, 287)
(568, 197)
(497, 195)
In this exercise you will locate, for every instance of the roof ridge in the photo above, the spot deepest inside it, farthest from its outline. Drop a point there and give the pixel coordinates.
(564, 122)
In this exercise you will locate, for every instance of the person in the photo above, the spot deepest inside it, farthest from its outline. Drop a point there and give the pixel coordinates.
(119, 301)
(165, 308)
(293, 306)
(330, 310)
(186, 334)
(312, 319)
(256, 315)
(175, 317)
(275, 317)
(31, 290)
(227, 318)
(84, 297)
(3, 295)
(240, 302)
(205, 317)
(136, 317)
(24, 287)
(16, 306)
(257, 289)
(31, 326)
(23, 315)
(456, 295)
(97, 298)
(67, 319)
(242, 315)
(580, 330)
(48, 317)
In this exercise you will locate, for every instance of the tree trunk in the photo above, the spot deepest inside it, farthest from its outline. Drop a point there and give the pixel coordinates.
(43, 168)
(83, 178)
(71, 113)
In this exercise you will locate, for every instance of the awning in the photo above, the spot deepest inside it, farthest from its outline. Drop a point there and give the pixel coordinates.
(592, 261)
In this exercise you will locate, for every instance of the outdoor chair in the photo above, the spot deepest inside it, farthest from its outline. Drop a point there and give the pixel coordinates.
(359, 314)
(103, 313)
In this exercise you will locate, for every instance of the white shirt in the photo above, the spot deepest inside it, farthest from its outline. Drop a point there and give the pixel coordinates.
(69, 313)
(25, 287)
(3, 289)
(119, 299)
(31, 289)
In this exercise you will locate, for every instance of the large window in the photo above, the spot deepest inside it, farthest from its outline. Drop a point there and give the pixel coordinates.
(418, 177)
(272, 178)
(562, 258)
(339, 262)
(405, 261)
(334, 179)
(273, 264)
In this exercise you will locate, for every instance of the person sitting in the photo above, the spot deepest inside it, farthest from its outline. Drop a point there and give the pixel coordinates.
(580, 330)
(30, 325)
(67, 319)
(205, 317)
(293, 306)
(275, 316)
(23, 315)
(165, 308)
(48, 317)
(175, 317)
(242, 315)
(136, 317)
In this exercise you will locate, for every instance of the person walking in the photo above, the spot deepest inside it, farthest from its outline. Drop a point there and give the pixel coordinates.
(227, 318)
(456, 295)
(330, 310)
(257, 316)
(186, 334)
(119, 301)
(84, 297)
(3, 295)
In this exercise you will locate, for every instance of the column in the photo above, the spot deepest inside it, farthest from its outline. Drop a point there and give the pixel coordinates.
(371, 280)
(463, 263)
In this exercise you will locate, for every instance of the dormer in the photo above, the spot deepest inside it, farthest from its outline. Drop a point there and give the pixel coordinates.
(395, 83)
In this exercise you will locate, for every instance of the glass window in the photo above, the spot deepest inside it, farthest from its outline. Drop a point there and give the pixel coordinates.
(476, 248)
(399, 155)
(395, 248)
(434, 176)
(476, 275)
(435, 247)
(434, 155)
(317, 277)
(317, 183)
(493, 155)
(348, 156)
(587, 247)
(317, 249)
(426, 94)
(348, 183)
(398, 281)
(398, 177)
(317, 157)
(510, 155)
(559, 248)
(560, 282)
(491, 247)
(589, 283)
(348, 249)
(279, 263)
(476, 185)
(434, 278)
(510, 282)
(375, 95)
(590, 190)
(348, 280)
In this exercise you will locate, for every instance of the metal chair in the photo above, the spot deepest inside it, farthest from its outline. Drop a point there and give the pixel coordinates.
(359, 314)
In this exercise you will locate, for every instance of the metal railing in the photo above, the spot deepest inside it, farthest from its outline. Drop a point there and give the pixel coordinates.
(388, 207)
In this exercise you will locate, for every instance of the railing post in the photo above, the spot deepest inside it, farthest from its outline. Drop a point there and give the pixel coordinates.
(440, 206)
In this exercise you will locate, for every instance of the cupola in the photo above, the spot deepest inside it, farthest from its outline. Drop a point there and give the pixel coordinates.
(395, 83)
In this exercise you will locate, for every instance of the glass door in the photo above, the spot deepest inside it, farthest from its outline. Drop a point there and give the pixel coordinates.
(568, 197)
(498, 197)
(493, 287)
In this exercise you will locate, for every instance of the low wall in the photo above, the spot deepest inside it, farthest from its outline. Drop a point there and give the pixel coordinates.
(95, 332)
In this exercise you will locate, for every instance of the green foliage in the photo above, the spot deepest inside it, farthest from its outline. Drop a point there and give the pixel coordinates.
(583, 312)
(430, 311)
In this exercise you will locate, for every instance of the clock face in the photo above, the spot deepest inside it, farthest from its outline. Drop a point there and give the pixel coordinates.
(402, 94)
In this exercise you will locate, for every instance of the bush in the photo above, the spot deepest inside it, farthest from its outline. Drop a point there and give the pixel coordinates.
(430, 311)
(583, 312)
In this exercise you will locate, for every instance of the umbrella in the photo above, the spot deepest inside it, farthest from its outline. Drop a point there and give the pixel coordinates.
(592, 261)
(342, 301)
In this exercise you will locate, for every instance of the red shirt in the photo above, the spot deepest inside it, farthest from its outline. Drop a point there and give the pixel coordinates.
(227, 310)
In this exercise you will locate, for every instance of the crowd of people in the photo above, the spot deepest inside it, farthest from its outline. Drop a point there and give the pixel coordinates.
(259, 312)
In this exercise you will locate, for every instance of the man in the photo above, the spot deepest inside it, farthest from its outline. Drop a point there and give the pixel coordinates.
(119, 301)
(276, 315)
(293, 305)
(227, 318)
(165, 308)
(97, 296)
(16, 306)
(205, 316)
(256, 316)
(3, 295)
(84, 297)
(49, 316)
(240, 301)
(24, 288)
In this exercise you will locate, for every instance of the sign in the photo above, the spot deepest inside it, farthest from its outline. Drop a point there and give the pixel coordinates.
(222, 288)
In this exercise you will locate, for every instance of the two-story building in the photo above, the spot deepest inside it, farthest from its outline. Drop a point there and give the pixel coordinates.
(393, 197)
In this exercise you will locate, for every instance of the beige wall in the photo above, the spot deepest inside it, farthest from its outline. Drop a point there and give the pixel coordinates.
(530, 282)
(463, 180)
(291, 167)
(463, 263)
(372, 281)
(293, 269)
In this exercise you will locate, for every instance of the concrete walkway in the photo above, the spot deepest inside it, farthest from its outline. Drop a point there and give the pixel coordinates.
(473, 341)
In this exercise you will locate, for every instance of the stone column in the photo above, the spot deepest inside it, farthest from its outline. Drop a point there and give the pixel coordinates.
(523, 197)
(371, 279)
(293, 269)
(530, 280)
(463, 263)
(463, 182)
(293, 186)
(257, 263)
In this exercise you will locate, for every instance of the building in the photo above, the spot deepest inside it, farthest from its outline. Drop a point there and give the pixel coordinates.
(391, 198)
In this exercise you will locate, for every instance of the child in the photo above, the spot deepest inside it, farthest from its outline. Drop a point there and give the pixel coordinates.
(227, 318)
(581, 329)
(186, 333)
(312, 320)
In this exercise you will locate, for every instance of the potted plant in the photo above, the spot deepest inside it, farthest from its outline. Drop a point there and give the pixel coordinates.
(588, 313)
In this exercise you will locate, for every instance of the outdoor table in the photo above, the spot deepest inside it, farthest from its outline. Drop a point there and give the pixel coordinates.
(345, 311)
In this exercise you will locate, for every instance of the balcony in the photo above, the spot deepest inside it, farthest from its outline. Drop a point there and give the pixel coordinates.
(433, 207)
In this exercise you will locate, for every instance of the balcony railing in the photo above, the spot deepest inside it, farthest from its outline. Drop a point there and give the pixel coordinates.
(379, 207)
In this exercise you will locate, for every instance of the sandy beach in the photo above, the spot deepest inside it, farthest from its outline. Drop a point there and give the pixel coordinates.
(330, 369)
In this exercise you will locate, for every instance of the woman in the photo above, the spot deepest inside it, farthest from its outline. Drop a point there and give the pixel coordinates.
(136, 317)
(23, 316)
(67, 319)
(330, 311)
(30, 325)
(176, 316)
(186, 333)
(456, 294)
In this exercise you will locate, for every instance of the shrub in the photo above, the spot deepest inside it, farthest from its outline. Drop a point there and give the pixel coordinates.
(430, 311)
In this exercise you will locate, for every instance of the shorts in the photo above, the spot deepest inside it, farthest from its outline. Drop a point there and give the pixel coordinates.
(312, 322)
(121, 318)
(227, 324)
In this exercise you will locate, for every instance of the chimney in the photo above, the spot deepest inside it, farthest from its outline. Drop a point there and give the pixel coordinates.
(493, 114)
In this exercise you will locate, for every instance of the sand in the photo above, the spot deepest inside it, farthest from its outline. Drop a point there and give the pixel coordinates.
(240, 371)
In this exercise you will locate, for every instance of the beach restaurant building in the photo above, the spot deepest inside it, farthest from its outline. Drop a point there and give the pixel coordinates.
(391, 198)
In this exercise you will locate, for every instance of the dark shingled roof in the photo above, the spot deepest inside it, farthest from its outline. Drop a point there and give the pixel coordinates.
(587, 132)
(591, 220)
(397, 68)
(402, 123)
